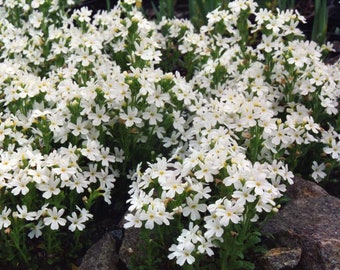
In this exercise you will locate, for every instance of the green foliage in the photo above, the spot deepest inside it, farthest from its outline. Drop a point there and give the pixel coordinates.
(199, 9)
(286, 4)
(319, 32)
(166, 8)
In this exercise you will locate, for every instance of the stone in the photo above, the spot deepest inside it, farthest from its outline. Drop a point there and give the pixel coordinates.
(280, 258)
(302, 189)
(131, 247)
(102, 255)
(311, 222)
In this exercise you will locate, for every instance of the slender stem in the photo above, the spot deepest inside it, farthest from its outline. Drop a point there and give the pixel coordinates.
(320, 22)
(15, 237)
(225, 250)
(191, 8)
(108, 4)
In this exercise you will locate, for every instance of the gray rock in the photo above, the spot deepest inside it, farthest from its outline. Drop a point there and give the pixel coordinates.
(311, 222)
(130, 246)
(102, 255)
(302, 189)
(280, 258)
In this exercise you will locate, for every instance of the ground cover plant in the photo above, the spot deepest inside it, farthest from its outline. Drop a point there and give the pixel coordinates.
(199, 131)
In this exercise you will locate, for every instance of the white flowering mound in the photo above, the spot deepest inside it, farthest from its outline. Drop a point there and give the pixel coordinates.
(219, 119)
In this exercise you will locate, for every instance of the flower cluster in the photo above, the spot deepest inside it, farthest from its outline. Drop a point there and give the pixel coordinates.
(263, 100)
(74, 120)
(218, 120)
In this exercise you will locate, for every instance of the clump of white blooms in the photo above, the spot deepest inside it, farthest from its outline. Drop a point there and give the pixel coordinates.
(84, 96)
(254, 109)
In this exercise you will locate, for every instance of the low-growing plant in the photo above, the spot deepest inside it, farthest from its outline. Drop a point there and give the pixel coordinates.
(75, 120)
(199, 131)
(257, 115)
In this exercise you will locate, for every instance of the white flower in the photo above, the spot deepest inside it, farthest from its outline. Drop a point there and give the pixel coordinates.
(182, 255)
(194, 207)
(230, 212)
(64, 169)
(318, 171)
(50, 188)
(23, 213)
(76, 222)
(172, 140)
(19, 184)
(91, 151)
(54, 218)
(78, 182)
(258, 182)
(37, 3)
(36, 230)
(244, 195)
(152, 115)
(4, 221)
(36, 18)
(205, 246)
(99, 116)
(206, 172)
(83, 14)
(130, 2)
(105, 157)
(151, 217)
(173, 186)
(131, 117)
(80, 127)
(133, 220)
(333, 149)
(281, 136)
(213, 226)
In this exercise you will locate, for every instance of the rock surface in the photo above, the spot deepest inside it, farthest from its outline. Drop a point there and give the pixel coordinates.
(311, 221)
(130, 245)
(280, 258)
(102, 255)
(302, 189)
